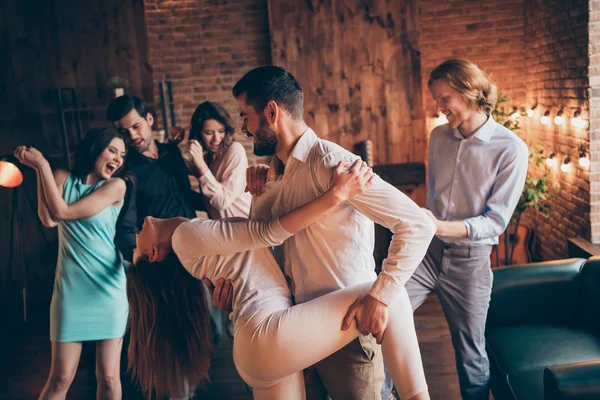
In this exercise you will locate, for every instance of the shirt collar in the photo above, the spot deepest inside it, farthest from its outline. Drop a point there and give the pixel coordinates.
(299, 152)
(164, 149)
(304, 145)
(484, 133)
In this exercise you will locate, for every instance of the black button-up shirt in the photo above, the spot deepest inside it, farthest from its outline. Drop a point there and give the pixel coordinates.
(162, 190)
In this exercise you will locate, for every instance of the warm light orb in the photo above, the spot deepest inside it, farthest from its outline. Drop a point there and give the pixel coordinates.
(10, 175)
(578, 122)
(551, 160)
(530, 113)
(558, 120)
(584, 162)
(440, 120)
(515, 115)
(566, 165)
(545, 118)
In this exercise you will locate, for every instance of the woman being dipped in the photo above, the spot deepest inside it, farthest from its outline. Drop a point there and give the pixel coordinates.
(274, 341)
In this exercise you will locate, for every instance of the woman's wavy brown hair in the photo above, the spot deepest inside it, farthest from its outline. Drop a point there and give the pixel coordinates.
(466, 78)
(170, 347)
(206, 111)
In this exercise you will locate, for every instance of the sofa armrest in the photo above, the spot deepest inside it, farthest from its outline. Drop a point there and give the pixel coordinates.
(579, 381)
(537, 293)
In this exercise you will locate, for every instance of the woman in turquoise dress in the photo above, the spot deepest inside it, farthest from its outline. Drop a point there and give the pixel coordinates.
(89, 300)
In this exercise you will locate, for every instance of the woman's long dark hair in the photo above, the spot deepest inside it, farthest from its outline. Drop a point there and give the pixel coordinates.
(170, 347)
(92, 145)
(209, 110)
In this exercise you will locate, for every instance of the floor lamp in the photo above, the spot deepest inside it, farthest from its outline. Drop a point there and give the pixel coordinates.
(11, 176)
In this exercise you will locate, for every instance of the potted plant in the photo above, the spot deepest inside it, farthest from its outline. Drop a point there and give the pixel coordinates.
(536, 189)
(118, 85)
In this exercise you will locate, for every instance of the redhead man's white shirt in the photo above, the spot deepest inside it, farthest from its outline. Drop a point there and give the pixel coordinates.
(337, 251)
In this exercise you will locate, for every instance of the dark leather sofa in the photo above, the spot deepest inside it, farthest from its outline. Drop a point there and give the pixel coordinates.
(543, 331)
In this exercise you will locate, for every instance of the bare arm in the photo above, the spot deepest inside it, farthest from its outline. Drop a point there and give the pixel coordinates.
(31, 157)
(47, 219)
(111, 193)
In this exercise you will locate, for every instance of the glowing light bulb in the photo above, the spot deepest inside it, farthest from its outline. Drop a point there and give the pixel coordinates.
(530, 113)
(440, 120)
(515, 114)
(577, 121)
(583, 160)
(551, 160)
(545, 118)
(566, 165)
(558, 120)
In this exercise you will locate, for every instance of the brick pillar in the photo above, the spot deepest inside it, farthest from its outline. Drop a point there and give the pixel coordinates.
(594, 96)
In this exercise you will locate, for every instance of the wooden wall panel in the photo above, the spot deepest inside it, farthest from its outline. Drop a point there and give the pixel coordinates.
(359, 66)
(45, 44)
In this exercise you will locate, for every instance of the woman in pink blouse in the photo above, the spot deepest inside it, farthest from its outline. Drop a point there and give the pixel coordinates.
(219, 162)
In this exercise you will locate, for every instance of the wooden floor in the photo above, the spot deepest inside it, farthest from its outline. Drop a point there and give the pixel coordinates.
(25, 363)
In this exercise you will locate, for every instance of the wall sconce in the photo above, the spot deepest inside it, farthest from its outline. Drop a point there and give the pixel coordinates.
(577, 121)
(545, 118)
(440, 119)
(583, 160)
(558, 120)
(531, 111)
(515, 114)
(566, 165)
(551, 160)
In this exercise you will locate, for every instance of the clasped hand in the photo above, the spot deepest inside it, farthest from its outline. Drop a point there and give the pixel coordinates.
(371, 317)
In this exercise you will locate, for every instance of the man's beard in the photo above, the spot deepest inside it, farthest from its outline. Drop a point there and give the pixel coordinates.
(265, 140)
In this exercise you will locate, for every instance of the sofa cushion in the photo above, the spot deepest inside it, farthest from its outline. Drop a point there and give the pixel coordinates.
(528, 385)
(529, 347)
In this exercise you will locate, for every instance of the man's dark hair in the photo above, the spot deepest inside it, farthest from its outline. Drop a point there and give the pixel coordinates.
(122, 105)
(90, 148)
(270, 82)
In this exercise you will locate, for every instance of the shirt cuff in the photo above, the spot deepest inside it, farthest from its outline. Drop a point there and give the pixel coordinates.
(208, 180)
(385, 289)
(469, 229)
(278, 232)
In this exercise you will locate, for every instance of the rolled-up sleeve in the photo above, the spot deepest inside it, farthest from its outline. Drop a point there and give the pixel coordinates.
(506, 191)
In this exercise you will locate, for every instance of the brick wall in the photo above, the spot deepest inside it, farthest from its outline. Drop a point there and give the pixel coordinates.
(556, 60)
(594, 105)
(535, 50)
(204, 47)
(487, 32)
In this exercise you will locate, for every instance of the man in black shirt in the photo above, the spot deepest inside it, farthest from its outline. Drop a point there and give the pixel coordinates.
(159, 172)
(161, 188)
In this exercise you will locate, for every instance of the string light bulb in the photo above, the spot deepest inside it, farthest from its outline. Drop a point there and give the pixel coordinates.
(566, 165)
(531, 111)
(583, 160)
(440, 119)
(558, 120)
(577, 121)
(545, 118)
(551, 160)
(515, 114)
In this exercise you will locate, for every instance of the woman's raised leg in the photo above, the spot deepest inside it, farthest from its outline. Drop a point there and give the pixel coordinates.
(289, 388)
(289, 340)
